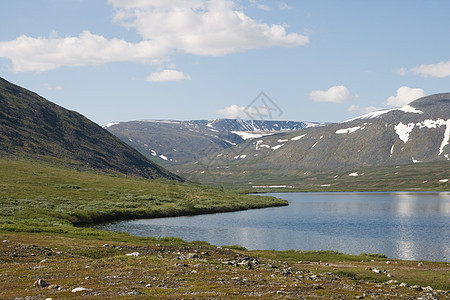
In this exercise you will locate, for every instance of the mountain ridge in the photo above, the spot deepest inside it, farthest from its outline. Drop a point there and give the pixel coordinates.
(418, 132)
(174, 142)
(33, 127)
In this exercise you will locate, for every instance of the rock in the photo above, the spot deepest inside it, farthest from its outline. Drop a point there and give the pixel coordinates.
(428, 289)
(6, 241)
(40, 283)
(54, 287)
(133, 254)
(420, 264)
(392, 281)
(388, 262)
(416, 287)
(193, 256)
(376, 271)
(106, 245)
(80, 289)
(389, 275)
(404, 284)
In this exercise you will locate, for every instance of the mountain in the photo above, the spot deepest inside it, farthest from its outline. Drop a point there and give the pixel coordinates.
(418, 132)
(33, 127)
(179, 142)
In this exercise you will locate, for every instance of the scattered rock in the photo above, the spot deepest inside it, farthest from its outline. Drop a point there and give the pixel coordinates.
(80, 289)
(416, 287)
(404, 284)
(40, 283)
(133, 254)
(54, 287)
(193, 256)
(389, 275)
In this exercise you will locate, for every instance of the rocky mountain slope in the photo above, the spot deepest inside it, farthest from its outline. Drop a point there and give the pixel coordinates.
(418, 132)
(179, 142)
(33, 127)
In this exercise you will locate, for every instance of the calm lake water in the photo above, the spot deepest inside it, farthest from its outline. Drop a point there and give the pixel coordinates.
(410, 226)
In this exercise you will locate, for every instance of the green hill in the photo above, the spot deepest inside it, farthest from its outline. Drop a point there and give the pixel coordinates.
(33, 127)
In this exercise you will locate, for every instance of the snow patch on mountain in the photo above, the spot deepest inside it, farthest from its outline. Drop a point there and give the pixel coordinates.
(298, 137)
(349, 130)
(407, 109)
(403, 131)
(277, 147)
(111, 124)
(249, 135)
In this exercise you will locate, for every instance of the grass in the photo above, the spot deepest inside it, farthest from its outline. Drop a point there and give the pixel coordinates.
(42, 206)
(38, 197)
(412, 177)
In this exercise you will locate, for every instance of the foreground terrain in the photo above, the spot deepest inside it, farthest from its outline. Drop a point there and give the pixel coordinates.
(41, 205)
(125, 267)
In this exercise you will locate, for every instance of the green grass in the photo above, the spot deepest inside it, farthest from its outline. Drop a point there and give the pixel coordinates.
(37, 197)
(412, 177)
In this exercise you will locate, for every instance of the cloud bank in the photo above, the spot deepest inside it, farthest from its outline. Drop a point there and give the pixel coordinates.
(242, 112)
(335, 94)
(404, 96)
(199, 27)
(167, 75)
(439, 70)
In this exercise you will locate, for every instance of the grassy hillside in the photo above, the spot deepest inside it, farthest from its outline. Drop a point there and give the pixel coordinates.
(38, 197)
(412, 177)
(33, 127)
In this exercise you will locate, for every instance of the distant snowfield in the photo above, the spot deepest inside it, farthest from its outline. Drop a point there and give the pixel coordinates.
(249, 135)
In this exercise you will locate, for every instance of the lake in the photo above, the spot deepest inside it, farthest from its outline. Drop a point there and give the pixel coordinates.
(401, 225)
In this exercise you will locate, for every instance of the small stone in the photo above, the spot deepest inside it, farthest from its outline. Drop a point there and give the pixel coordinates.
(428, 289)
(389, 275)
(420, 264)
(416, 287)
(193, 256)
(80, 289)
(6, 241)
(133, 254)
(388, 262)
(281, 293)
(404, 284)
(40, 283)
(53, 287)
(106, 245)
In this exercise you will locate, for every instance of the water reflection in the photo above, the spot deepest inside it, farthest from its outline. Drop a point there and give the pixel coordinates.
(411, 226)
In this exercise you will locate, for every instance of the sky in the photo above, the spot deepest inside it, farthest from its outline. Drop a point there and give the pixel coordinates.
(319, 61)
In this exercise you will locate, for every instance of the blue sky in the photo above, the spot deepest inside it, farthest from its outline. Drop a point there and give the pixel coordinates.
(120, 60)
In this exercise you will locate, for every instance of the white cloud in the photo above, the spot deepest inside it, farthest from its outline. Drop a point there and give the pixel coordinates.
(263, 7)
(335, 94)
(50, 87)
(201, 27)
(404, 96)
(242, 112)
(43, 54)
(362, 110)
(441, 69)
(167, 75)
(284, 6)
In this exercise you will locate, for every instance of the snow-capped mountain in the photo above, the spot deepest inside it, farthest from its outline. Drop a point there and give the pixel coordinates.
(173, 142)
(418, 132)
